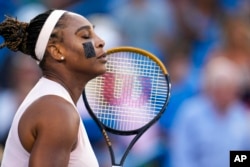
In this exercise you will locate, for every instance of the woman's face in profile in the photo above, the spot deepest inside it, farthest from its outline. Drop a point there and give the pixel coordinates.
(77, 34)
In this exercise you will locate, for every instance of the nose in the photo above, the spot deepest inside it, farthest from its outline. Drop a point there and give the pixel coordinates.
(100, 43)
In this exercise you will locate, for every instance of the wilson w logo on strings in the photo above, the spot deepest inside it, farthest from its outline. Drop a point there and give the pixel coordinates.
(126, 90)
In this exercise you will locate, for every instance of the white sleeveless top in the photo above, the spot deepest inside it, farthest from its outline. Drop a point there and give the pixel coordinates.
(16, 156)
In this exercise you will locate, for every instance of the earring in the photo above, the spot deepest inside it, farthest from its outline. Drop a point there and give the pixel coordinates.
(62, 58)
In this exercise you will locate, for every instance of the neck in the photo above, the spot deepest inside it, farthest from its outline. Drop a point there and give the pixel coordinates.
(72, 85)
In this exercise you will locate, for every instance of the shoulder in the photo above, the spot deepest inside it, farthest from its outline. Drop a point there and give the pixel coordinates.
(49, 117)
(51, 106)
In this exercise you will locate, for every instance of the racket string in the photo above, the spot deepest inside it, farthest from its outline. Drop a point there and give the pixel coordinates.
(134, 96)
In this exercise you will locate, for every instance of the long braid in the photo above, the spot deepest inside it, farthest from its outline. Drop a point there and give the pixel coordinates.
(14, 33)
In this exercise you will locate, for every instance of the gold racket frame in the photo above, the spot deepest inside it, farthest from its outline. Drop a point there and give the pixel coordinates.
(139, 51)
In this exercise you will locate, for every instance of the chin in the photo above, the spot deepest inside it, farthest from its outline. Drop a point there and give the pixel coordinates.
(99, 72)
(103, 71)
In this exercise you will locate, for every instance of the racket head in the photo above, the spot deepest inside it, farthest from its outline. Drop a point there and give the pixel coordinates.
(132, 94)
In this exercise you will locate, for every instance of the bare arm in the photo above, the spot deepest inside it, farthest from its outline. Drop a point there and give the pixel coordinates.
(48, 130)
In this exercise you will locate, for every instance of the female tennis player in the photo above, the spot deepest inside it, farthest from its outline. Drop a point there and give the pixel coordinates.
(47, 130)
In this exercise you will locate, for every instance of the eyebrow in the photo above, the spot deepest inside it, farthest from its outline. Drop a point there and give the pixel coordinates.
(87, 27)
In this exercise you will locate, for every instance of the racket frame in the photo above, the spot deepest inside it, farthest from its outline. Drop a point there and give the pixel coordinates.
(140, 131)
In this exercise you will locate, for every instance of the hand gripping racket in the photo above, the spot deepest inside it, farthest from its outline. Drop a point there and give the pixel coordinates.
(130, 97)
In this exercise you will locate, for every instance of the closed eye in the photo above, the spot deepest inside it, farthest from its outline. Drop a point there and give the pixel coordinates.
(86, 37)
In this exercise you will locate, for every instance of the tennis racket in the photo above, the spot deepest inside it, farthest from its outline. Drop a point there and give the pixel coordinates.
(130, 97)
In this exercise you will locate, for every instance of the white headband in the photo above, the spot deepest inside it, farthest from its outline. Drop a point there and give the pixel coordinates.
(46, 31)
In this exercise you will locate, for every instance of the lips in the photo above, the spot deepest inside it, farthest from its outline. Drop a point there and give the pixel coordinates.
(102, 56)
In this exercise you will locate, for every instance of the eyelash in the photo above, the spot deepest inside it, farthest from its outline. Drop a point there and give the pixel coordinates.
(86, 37)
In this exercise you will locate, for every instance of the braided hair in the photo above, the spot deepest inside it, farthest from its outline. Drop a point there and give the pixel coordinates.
(21, 36)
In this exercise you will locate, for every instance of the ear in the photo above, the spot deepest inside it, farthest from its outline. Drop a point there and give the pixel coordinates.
(55, 52)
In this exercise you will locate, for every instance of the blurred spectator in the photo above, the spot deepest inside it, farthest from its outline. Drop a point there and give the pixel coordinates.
(178, 64)
(235, 45)
(212, 123)
(139, 21)
(23, 73)
(195, 21)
